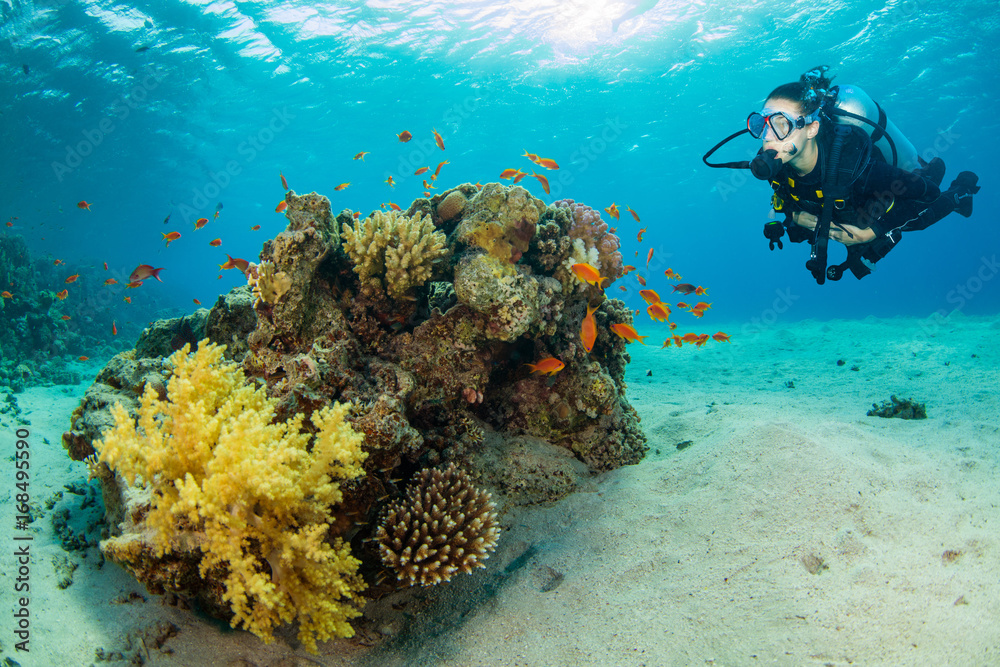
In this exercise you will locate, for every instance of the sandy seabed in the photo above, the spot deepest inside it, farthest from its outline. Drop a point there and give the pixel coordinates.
(772, 522)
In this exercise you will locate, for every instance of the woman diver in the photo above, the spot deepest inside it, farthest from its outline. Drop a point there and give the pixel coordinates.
(824, 152)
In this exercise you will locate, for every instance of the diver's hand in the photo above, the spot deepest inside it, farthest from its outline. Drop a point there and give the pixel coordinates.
(860, 235)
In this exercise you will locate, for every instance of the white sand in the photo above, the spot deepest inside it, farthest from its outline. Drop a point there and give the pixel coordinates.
(700, 556)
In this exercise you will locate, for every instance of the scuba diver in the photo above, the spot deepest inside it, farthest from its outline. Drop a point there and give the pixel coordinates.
(840, 169)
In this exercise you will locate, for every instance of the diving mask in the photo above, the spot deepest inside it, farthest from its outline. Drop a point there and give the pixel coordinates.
(780, 122)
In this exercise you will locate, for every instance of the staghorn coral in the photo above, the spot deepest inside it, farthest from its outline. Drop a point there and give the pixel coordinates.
(443, 526)
(395, 248)
(249, 494)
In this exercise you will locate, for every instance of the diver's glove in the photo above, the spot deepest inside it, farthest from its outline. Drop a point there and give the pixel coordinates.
(774, 230)
(961, 191)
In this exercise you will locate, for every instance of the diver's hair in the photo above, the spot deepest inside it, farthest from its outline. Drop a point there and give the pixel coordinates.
(810, 92)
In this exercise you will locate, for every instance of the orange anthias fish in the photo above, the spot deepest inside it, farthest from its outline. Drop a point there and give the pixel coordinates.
(628, 268)
(700, 291)
(658, 312)
(64, 318)
(438, 170)
(144, 272)
(649, 256)
(235, 263)
(105, 266)
(697, 313)
(200, 222)
(172, 236)
(391, 183)
(531, 156)
(128, 299)
(544, 181)
(428, 186)
(588, 329)
(7, 295)
(684, 288)
(519, 176)
(628, 333)
(342, 186)
(612, 211)
(394, 207)
(255, 228)
(721, 337)
(642, 281)
(587, 274)
(669, 273)
(83, 204)
(114, 328)
(196, 302)
(62, 295)
(361, 155)
(547, 163)
(58, 262)
(133, 285)
(438, 140)
(215, 243)
(701, 305)
(702, 339)
(547, 366)
(284, 183)
(72, 278)
(634, 215)
(641, 232)
(509, 173)
(110, 281)
(82, 358)
(690, 338)
(282, 205)
(422, 170)
(404, 136)
(649, 295)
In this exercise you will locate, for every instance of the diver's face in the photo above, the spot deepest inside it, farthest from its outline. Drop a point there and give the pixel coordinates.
(797, 138)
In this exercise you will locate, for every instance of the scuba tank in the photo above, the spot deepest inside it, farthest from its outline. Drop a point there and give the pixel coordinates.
(854, 106)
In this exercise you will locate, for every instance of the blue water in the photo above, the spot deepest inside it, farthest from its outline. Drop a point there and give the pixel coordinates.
(153, 108)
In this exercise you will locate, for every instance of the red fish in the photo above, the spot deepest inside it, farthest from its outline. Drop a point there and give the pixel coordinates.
(547, 366)
(634, 214)
(7, 295)
(701, 305)
(649, 256)
(628, 333)
(105, 266)
(658, 312)
(612, 211)
(649, 296)
(628, 268)
(544, 181)
(394, 207)
(62, 295)
(519, 176)
(721, 337)
(72, 278)
(284, 183)
(82, 358)
(83, 204)
(65, 317)
(669, 273)
(196, 302)
(172, 236)
(438, 170)
(58, 262)
(587, 274)
(641, 232)
(404, 136)
(438, 140)
(127, 299)
(422, 170)
(428, 186)
(114, 328)
(509, 173)
(200, 222)
(282, 205)
(642, 281)
(144, 272)
(342, 186)
(133, 285)
(215, 243)
(235, 263)
(588, 329)
(547, 163)
(255, 228)
(110, 281)
(531, 156)
(700, 291)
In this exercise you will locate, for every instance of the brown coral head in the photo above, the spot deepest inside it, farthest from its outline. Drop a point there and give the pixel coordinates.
(472, 395)
(444, 525)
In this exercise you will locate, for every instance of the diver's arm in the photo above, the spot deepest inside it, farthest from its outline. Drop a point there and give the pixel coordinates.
(882, 178)
(857, 234)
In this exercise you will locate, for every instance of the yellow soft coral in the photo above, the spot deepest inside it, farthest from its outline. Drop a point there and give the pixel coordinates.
(243, 490)
(400, 248)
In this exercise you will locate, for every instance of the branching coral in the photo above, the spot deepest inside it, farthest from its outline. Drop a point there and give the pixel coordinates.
(443, 526)
(253, 496)
(400, 249)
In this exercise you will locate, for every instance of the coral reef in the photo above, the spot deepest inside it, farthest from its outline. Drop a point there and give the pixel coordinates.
(444, 525)
(394, 251)
(251, 495)
(899, 408)
(423, 320)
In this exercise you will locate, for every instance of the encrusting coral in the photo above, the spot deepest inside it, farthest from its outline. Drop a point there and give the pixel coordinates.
(443, 526)
(399, 249)
(252, 495)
